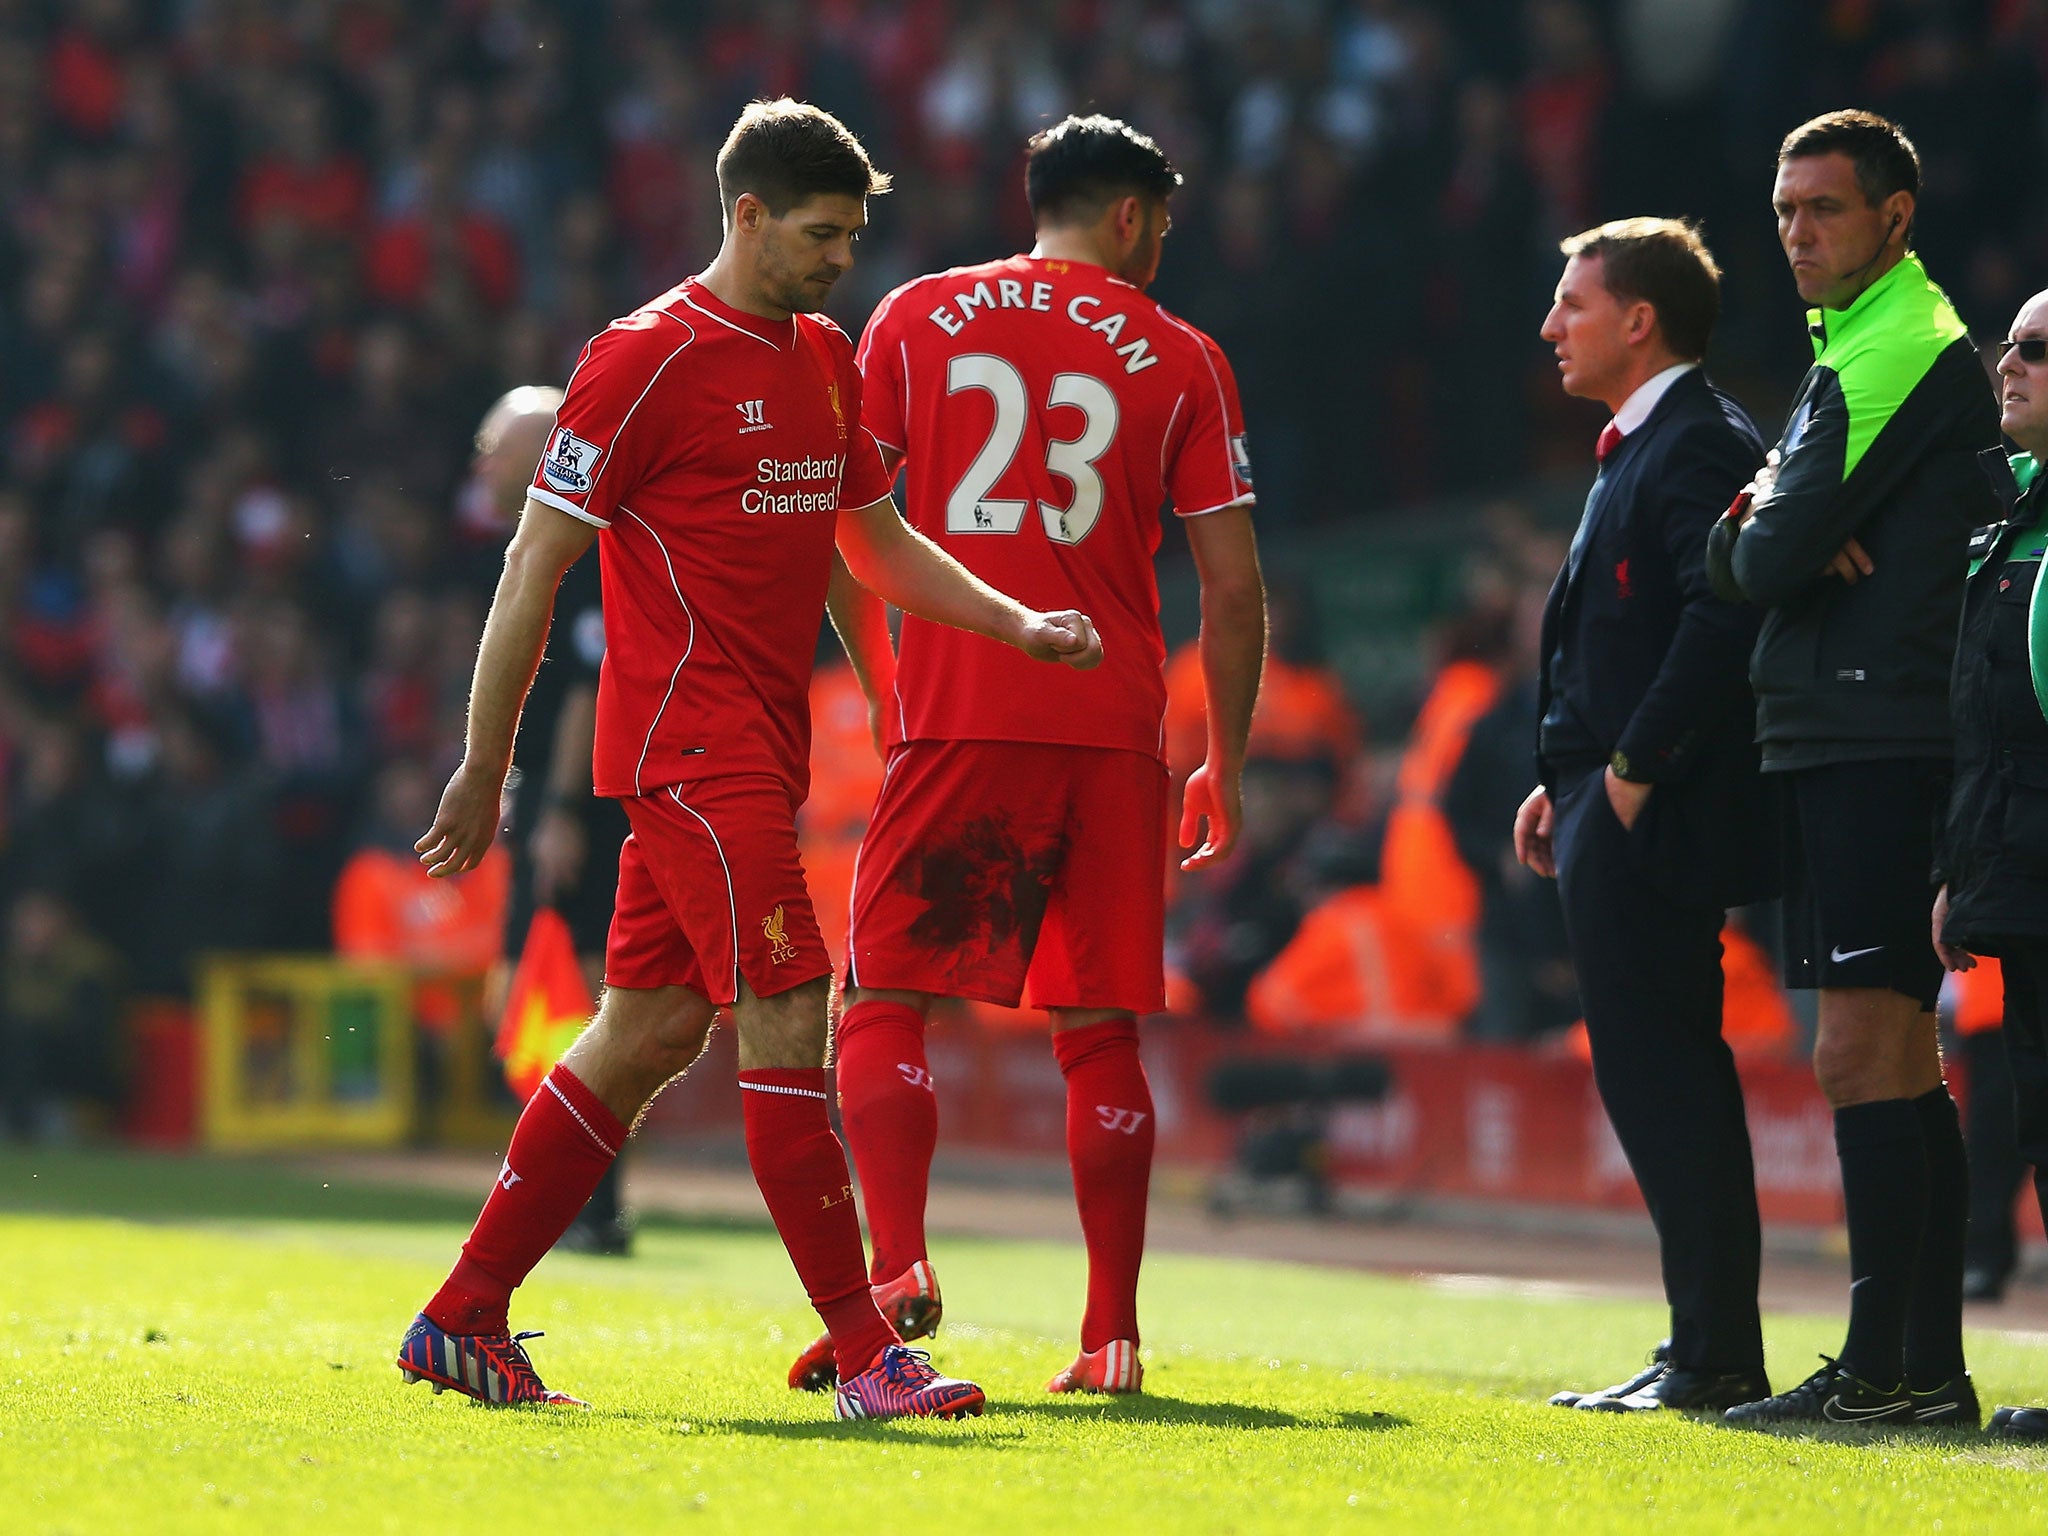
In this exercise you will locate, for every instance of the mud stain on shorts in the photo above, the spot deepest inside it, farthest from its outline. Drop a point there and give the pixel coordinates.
(983, 891)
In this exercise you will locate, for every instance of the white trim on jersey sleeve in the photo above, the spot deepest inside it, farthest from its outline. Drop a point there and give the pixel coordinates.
(1246, 500)
(542, 494)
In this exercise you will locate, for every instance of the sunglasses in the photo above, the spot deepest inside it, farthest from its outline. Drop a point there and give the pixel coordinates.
(2032, 349)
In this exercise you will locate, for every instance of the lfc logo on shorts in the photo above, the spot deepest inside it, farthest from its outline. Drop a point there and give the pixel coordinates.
(779, 947)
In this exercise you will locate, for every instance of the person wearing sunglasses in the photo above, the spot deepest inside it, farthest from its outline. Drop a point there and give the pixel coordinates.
(1992, 852)
(1852, 539)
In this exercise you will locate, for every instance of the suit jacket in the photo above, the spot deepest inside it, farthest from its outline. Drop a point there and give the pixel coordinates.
(1650, 663)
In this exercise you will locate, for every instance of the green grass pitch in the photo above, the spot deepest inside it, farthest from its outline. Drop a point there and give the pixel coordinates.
(206, 1346)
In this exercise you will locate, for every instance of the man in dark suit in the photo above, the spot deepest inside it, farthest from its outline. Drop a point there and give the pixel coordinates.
(1650, 813)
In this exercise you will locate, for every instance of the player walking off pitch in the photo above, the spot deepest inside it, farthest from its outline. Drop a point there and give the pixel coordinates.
(712, 443)
(1046, 410)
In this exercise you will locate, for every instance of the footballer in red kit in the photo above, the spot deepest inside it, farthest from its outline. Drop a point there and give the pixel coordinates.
(1045, 410)
(711, 443)
(713, 446)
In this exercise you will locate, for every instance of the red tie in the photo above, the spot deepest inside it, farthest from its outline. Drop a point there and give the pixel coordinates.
(1610, 435)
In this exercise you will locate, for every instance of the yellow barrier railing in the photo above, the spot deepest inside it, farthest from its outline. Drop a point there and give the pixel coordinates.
(309, 1050)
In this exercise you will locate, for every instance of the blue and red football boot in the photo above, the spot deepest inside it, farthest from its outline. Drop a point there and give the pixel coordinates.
(490, 1367)
(902, 1384)
(910, 1302)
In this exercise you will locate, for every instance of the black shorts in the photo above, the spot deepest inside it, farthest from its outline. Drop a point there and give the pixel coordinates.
(587, 906)
(1859, 888)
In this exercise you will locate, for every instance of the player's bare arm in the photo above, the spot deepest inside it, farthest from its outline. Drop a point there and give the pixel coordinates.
(547, 544)
(861, 620)
(901, 566)
(1233, 651)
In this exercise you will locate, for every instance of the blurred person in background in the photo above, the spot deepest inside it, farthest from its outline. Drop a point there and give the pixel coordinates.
(1526, 987)
(1223, 932)
(1650, 814)
(1425, 880)
(1992, 852)
(209, 860)
(388, 908)
(1990, 1130)
(61, 991)
(1351, 970)
(564, 838)
(1302, 713)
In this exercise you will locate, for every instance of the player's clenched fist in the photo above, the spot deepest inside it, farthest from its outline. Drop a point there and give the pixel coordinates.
(464, 825)
(1067, 636)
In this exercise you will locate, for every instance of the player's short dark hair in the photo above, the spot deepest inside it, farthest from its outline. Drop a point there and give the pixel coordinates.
(1080, 165)
(786, 152)
(1885, 159)
(1663, 263)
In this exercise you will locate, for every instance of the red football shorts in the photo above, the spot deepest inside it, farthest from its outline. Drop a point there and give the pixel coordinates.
(990, 864)
(711, 889)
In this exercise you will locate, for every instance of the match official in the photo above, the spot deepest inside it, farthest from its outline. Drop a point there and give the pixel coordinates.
(1853, 538)
(1993, 851)
(1650, 810)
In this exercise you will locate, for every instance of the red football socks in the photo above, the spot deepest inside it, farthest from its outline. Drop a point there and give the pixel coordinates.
(1109, 1143)
(801, 1169)
(892, 1125)
(564, 1142)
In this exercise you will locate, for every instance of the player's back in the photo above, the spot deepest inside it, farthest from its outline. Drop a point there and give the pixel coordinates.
(1047, 411)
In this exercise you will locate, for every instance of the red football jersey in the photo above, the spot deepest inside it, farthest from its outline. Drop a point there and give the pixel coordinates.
(1047, 411)
(714, 449)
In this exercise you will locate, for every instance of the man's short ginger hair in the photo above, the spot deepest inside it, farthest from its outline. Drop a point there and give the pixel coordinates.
(787, 152)
(1663, 263)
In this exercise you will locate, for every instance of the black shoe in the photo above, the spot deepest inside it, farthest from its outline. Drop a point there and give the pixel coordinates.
(1831, 1395)
(1983, 1282)
(2020, 1423)
(1660, 1360)
(1685, 1389)
(1952, 1405)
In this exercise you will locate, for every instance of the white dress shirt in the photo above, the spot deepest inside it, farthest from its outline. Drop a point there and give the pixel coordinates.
(1635, 410)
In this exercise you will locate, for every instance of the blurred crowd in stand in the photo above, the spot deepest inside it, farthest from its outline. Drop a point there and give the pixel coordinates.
(264, 262)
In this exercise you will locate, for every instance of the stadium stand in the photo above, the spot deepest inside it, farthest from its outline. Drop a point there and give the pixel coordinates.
(261, 267)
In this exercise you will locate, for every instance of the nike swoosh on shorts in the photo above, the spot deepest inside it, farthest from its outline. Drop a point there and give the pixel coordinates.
(1838, 954)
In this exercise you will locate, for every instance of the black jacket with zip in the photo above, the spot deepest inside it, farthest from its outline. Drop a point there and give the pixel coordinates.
(1881, 446)
(1993, 850)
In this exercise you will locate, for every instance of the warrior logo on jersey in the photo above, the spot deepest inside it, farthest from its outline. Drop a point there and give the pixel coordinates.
(779, 947)
(570, 463)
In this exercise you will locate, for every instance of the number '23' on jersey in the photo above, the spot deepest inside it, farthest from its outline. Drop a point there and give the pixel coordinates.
(1046, 412)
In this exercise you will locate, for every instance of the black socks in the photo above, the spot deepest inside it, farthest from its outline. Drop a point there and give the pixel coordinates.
(1884, 1195)
(1934, 1322)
